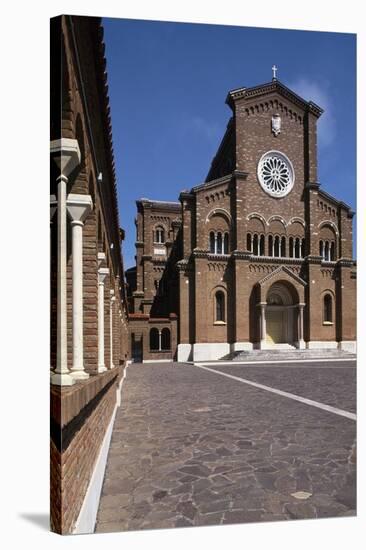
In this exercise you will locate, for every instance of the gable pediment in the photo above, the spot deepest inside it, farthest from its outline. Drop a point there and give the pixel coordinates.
(279, 274)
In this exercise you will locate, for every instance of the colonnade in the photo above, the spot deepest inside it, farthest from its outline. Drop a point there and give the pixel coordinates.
(67, 156)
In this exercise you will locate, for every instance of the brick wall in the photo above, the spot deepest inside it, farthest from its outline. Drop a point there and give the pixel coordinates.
(80, 416)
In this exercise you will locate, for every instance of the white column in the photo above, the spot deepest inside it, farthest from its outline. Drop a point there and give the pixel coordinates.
(78, 207)
(159, 339)
(263, 306)
(111, 331)
(215, 243)
(67, 156)
(301, 342)
(53, 206)
(102, 273)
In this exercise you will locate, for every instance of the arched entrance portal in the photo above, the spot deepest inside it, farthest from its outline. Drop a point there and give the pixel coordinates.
(281, 315)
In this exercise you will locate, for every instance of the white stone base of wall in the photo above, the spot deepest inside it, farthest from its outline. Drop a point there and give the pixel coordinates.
(241, 346)
(157, 360)
(321, 345)
(210, 352)
(184, 353)
(348, 345)
(85, 523)
(270, 346)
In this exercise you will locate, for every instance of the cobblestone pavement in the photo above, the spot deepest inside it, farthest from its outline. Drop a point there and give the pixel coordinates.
(191, 447)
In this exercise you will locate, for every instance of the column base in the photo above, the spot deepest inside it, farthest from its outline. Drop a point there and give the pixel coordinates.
(62, 379)
(348, 345)
(184, 353)
(102, 368)
(241, 346)
(301, 344)
(79, 375)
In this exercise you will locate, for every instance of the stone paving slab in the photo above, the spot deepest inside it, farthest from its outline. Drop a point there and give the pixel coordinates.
(190, 447)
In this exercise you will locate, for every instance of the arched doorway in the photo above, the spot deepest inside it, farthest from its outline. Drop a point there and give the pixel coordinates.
(281, 314)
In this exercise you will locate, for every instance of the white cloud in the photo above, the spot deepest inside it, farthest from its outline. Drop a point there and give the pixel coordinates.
(310, 90)
(209, 130)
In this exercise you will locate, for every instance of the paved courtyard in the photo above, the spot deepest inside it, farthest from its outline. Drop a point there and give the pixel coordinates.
(194, 447)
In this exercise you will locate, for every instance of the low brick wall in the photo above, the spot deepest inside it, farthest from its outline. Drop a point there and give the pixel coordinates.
(80, 415)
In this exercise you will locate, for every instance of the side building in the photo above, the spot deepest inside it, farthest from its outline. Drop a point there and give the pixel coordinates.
(264, 255)
(153, 283)
(89, 314)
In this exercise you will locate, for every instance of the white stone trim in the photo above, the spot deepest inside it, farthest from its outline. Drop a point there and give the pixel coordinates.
(331, 224)
(85, 523)
(295, 219)
(276, 218)
(348, 345)
(293, 396)
(255, 215)
(241, 346)
(184, 353)
(209, 351)
(322, 345)
(221, 211)
(157, 360)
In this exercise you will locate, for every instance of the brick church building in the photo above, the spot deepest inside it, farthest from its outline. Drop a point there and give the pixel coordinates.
(256, 257)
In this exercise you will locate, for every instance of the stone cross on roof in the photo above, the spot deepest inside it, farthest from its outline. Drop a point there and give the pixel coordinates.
(274, 69)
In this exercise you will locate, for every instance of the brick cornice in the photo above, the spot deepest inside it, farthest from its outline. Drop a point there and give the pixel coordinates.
(212, 183)
(271, 87)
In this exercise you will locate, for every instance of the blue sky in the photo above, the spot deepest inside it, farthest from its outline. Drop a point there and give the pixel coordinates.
(168, 83)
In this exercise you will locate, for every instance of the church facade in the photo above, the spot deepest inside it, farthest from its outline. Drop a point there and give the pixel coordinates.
(256, 257)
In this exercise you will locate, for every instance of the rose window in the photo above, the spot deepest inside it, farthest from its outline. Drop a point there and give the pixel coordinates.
(276, 174)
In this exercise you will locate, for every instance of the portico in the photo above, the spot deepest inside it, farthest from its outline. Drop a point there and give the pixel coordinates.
(281, 312)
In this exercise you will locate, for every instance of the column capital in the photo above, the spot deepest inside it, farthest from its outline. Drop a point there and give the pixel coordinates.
(102, 274)
(101, 258)
(66, 153)
(79, 206)
(301, 305)
(111, 292)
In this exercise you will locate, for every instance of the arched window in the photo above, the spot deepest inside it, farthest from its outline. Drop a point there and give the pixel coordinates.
(212, 242)
(249, 242)
(283, 247)
(326, 251)
(219, 243)
(159, 235)
(154, 339)
(291, 247)
(270, 245)
(165, 339)
(327, 309)
(220, 306)
(261, 245)
(226, 243)
(332, 251)
(277, 246)
(255, 245)
(321, 249)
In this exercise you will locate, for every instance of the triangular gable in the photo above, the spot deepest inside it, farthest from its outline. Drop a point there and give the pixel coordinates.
(279, 270)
